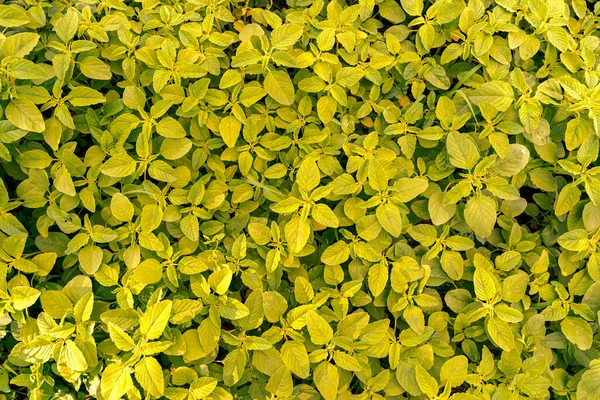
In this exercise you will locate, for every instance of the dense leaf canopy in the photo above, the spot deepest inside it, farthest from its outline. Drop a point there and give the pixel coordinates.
(309, 199)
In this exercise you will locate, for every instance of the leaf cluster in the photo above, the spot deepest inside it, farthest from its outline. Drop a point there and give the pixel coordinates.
(352, 200)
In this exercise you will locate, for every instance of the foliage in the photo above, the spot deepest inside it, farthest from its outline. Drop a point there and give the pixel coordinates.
(378, 199)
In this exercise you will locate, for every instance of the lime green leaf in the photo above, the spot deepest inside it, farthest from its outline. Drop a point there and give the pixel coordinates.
(24, 114)
(72, 356)
(150, 376)
(297, 232)
(19, 44)
(326, 108)
(486, 287)
(577, 331)
(94, 68)
(83, 96)
(498, 93)
(36, 159)
(378, 278)
(318, 328)
(229, 127)
(119, 166)
(501, 333)
(454, 371)
(120, 338)
(480, 214)
(170, 128)
(279, 86)
(462, 150)
(327, 379)
(567, 198)
(23, 297)
(295, 357)
(575, 240)
(390, 219)
(426, 382)
(116, 381)
(12, 15)
(285, 36)
(121, 207)
(281, 383)
(155, 319)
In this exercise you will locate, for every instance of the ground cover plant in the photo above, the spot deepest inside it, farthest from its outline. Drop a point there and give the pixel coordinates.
(221, 199)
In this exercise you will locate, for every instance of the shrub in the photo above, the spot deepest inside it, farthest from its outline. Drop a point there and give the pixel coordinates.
(254, 200)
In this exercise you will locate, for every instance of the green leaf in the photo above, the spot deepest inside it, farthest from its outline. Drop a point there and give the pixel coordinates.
(285, 36)
(233, 309)
(121, 207)
(326, 108)
(412, 7)
(279, 86)
(498, 93)
(577, 331)
(452, 264)
(567, 198)
(281, 383)
(558, 37)
(337, 253)
(295, 357)
(66, 26)
(327, 380)
(390, 219)
(427, 35)
(24, 114)
(72, 356)
(346, 361)
(454, 371)
(25, 69)
(36, 159)
(94, 68)
(19, 44)
(378, 177)
(116, 381)
(589, 384)
(204, 386)
(480, 214)
(149, 375)
(12, 15)
(90, 259)
(378, 278)
(486, 287)
(120, 338)
(233, 367)
(155, 319)
(322, 214)
(462, 150)
(318, 328)
(516, 160)
(84, 96)
(501, 333)
(229, 127)
(308, 175)
(23, 297)
(575, 240)
(170, 128)
(151, 218)
(414, 317)
(348, 76)
(15, 245)
(119, 166)
(55, 303)
(426, 382)
(297, 232)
